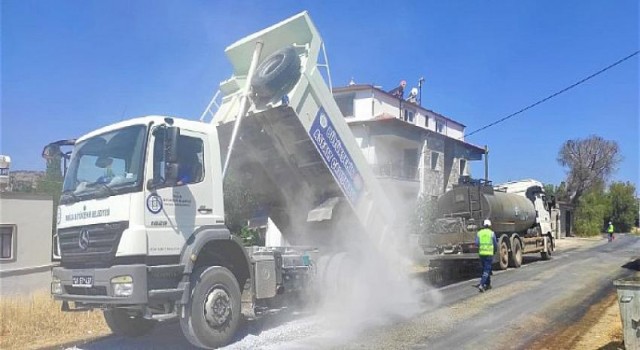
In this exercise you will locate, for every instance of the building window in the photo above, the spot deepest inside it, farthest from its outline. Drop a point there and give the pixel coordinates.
(4, 171)
(439, 126)
(408, 115)
(463, 166)
(434, 160)
(345, 104)
(7, 239)
(426, 121)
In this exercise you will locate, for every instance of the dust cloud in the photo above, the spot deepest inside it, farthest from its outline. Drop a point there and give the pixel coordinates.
(369, 281)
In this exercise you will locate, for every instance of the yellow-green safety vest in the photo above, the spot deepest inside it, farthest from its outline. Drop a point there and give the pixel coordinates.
(610, 229)
(485, 239)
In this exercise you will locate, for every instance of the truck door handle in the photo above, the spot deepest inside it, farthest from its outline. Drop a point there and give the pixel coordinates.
(205, 210)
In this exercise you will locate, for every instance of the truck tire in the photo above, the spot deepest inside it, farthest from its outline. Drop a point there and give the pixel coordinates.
(503, 253)
(277, 74)
(122, 323)
(212, 315)
(547, 255)
(516, 253)
(333, 273)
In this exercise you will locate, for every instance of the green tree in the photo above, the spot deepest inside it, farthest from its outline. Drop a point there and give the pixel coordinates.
(591, 162)
(561, 192)
(623, 205)
(591, 212)
(250, 237)
(550, 190)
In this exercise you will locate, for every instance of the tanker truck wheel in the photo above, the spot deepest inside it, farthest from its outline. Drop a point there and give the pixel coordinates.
(547, 255)
(503, 253)
(516, 253)
(277, 74)
(212, 315)
(123, 323)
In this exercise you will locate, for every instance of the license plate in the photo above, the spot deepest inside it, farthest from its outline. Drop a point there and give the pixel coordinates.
(82, 281)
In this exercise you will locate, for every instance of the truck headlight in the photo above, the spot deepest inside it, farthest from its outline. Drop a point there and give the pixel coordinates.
(122, 286)
(56, 286)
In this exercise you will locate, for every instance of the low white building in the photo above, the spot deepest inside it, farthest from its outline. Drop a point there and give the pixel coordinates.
(25, 242)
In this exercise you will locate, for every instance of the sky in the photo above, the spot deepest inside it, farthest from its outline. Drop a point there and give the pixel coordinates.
(68, 67)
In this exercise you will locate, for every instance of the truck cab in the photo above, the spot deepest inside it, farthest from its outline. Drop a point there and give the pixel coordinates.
(120, 190)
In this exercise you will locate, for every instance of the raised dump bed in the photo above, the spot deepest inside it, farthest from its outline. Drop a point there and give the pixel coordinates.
(294, 150)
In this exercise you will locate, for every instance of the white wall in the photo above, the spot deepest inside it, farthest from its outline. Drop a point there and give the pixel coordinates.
(29, 269)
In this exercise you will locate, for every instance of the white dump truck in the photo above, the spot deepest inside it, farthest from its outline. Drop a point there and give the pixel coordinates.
(520, 214)
(141, 223)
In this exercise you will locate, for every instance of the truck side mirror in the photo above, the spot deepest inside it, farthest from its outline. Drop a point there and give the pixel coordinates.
(171, 153)
(171, 144)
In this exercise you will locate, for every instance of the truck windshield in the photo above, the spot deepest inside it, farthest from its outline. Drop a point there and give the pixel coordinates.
(106, 164)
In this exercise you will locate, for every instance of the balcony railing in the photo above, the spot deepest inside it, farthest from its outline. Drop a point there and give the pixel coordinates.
(396, 170)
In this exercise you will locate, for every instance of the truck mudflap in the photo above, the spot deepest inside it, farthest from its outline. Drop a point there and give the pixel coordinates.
(120, 285)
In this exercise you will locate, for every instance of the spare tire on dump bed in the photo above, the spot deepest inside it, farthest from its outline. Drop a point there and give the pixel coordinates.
(277, 74)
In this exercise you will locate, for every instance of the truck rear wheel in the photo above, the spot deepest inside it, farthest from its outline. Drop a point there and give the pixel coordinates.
(516, 253)
(334, 273)
(123, 323)
(503, 253)
(212, 315)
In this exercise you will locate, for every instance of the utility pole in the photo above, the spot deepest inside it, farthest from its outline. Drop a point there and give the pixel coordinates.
(420, 82)
(486, 163)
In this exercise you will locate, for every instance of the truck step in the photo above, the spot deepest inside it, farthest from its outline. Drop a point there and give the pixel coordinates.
(170, 294)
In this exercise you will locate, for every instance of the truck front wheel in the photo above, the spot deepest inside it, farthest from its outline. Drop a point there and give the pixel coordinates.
(122, 323)
(547, 255)
(212, 315)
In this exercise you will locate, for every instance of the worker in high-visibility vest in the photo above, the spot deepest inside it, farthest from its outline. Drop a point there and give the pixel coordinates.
(487, 247)
(610, 230)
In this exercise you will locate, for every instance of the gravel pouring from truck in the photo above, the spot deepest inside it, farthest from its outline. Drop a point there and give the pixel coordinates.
(519, 212)
(141, 226)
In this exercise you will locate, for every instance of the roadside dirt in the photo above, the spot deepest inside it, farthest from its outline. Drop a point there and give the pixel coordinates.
(600, 328)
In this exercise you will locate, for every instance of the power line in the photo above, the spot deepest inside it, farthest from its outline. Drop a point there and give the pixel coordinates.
(553, 95)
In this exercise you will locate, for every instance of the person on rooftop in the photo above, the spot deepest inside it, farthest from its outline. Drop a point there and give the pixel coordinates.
(399, 91)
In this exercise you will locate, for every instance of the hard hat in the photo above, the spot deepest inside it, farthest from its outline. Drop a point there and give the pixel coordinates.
(486, 222)
(609, 222)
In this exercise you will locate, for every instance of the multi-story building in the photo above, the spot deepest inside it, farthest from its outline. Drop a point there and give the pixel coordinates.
(412, 149)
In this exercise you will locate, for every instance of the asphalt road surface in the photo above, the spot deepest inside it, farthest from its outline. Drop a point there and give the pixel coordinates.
(525, 304)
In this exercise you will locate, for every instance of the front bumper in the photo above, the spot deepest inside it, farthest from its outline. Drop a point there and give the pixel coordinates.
(101, 292)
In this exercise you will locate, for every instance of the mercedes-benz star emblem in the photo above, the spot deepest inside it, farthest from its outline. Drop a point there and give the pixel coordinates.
(83, 241)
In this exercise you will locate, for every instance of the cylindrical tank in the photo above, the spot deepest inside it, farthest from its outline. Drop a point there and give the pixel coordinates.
(508, 212)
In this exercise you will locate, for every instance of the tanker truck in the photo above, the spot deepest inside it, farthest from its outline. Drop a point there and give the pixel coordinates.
(520, 214)
(141, 222)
